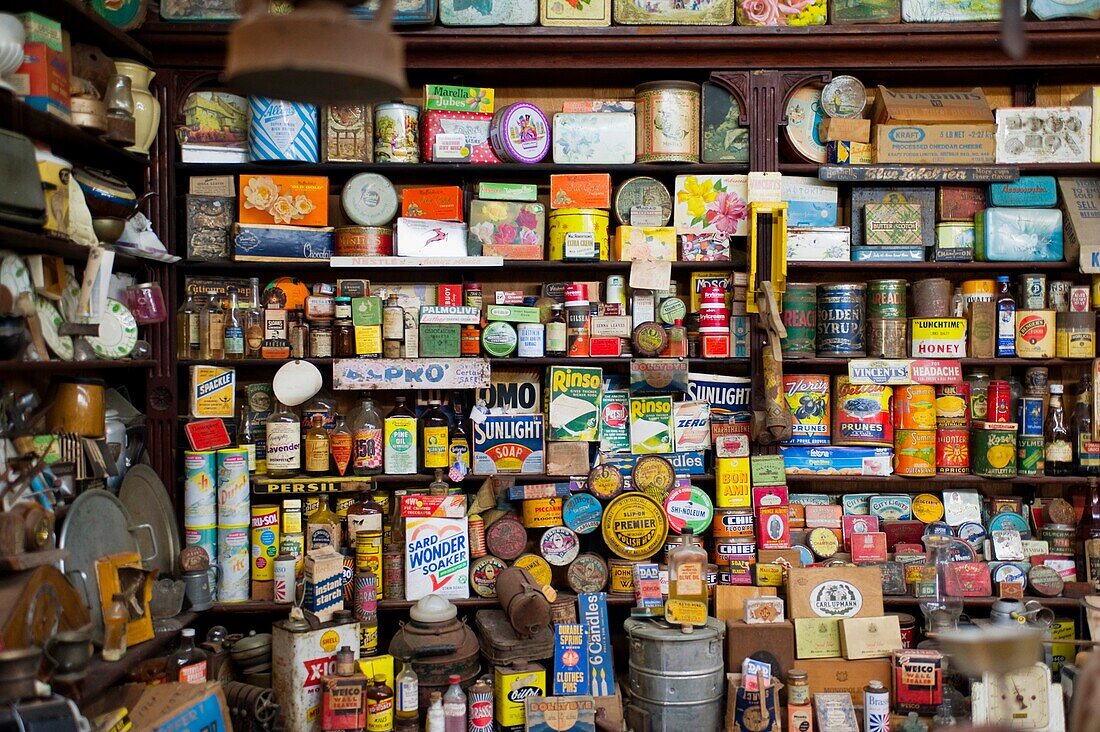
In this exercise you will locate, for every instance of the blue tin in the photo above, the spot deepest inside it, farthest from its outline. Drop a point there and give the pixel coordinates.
(265, 242)
(971, 532)
(282, 130)
(416, 12)
(582, 513)
(841, 310)
(1018, 235)
(1030, 417)
(887, 254)
(891, 507)
(1030, 191)
(1006, 521)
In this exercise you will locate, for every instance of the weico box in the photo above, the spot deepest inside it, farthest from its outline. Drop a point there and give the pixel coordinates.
(509, 444)
(437, 558)
(933, 127)
(651, 425)
(574, 410)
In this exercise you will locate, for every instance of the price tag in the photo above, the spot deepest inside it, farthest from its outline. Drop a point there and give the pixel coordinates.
(686, 612)
(478, 414)
(648, 275)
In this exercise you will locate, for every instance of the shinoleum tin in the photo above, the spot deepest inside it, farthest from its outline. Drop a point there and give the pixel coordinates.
(667, 122)
(840, 320)
(800, 320)
(396, 133)
(886, 298)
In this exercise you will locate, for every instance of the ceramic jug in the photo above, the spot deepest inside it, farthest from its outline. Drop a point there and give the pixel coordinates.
(146, 107)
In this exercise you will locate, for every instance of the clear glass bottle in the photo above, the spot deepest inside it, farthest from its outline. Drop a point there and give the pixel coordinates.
(1086, 455)
(284, 442)
(439, 486)
(246, 435)
(187, 664)
(254, 323)
(323, 404)
(317, 447)
(204, 326)
(940, 607)
(299, 336)
(408, 696)
(393, 326)
(979, 394)
(234, 327)
(340, 445)
(399, 439)
(187, 330)
(556, 341)
(1006, 319)
(677, 341)
(454, 706)
(115, 619)
(435, 431)
(216, 329)
(459, 443)
(1057, 448)
(366, 434)
(363, 515)
(437, 720)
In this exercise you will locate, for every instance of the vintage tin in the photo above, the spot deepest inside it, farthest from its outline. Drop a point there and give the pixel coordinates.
(1030, 191)
(887, 337)
(959, 203)
(807, 398)
(1079, 299)
(265, 542)
(559, 546)
(690, 507)
(667, 122)
(954, 242)
(280, 130)
(497, 13)
(641, 192)
(538, 567)
(396, 133)
(952, 451)
(542, 512)
(347, 134)
(1060, 538)
(520, 133)
(914, 407)
(915, 453)
(725, 140)
(932, 298)
(840, 320)
(844, 96)
(579, 235)
(1035, 333)
(393, 573)
(861, 414)
(634, 526)
(363, 241)
(804, 115)
(621, 576)
(506, 538)
(1033, 289)
(800, 320)
(733, 523)
(1075, 336)
(886, 298)
(953, 406)
(1030, 416)
(993, 449)
(200, 489)
(483, 575)
(233, 563)
(587, 574)
(1058, 295)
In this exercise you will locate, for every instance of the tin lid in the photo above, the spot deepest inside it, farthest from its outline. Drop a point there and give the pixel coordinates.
(559, 546)
(634, 526)
(537, 566)
(369, 199)
(587, 574)
(649, 339)
(520, 133)
(927, 508)
(1045, 580)
(823, 542)
(803, 113)
(689, 509)
(499, 339)
(582, 512)
(652, 474)
(483, 575)
(660, 85)
(605, 481)
(844, 96)
(598, 213)
(1059, 510)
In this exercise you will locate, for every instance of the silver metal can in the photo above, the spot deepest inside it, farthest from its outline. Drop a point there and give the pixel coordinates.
(532, 340)
(1059, 295)
(1033, 290)
(396, 133)
(285, 586)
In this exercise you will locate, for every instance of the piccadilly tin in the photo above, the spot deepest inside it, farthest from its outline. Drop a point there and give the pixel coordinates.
(520, 133)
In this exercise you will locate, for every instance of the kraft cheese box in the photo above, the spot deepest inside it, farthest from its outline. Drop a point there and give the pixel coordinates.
(1018, 235)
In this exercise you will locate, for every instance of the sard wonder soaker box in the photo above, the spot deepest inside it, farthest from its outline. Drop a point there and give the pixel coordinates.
(437, 557)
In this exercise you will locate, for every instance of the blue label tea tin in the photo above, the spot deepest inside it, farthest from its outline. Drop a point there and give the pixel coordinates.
(582, 513)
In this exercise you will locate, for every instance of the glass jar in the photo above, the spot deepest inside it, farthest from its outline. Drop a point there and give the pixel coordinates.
(941, 607)
(146, 302)
(299, 337)
(320, 339)
(344, 339)
(342, 307)
(798, 687)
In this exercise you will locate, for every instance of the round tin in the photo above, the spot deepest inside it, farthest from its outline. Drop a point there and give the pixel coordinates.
(908, 625)
(978, 291)
(564, 608)
(588, 573)
(733, 523)
(506, 538)
(886, 298)
(532, 340)
(649, 339)
(542, 512)
(887, 337)
(1058, 294)
(582, 513)
(927, 508)
(578, 235)
(634, 526)
(971, 532)
(961, 551)
(915, 453)
(844, 96)
(1060, 511)
(1060, 538)
(861, 414)
(282, 130)
(672, 309)
(823, 542)
(519, 133)
(652, 474)
(932, 298)
(915, 407)
(1007, 521)
(483, 575)
(369, 199)
(800, 320)
(1009, 573)
(689, 507)
(559, 546)
(605, 482)
(993, 451)
(615, 290)
(396, 133)
(538, 567)
(621, 576)
(804, 115)
(641, 191)
(499, 339)
(1079, 299)
(952, 451)
(840, 327)
(1045, 581)
(953, 406)
(1030, 458)
(667, 122)
(362, 241)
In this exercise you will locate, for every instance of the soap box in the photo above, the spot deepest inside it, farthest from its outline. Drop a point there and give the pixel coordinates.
(817, 637)
(1044, 134)
(954, 242)
(437, 558)
(1030, 191)
(429, 238)
(651, 427)
(819, 244)
(473, 126)
(594, 139)
(267, 243)
(892, 224)
(296, 200)
(508, 444)
(656, 243)
(506, 229)
(574, 397)
(1018, 235)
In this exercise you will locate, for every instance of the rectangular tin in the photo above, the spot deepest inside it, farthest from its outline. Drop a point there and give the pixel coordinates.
(959, 203)
(810, 202)
(691, 207)
(508, 444)
(954, 242)
(819, 244)
(808, 460)
(892, 224)
(472, 126)
(580, 190)
(670, 12)
(657, 243)
(1064, 135)
(951, 11)
(1030, 191)
(347, 134)
(1018, 235)
(266, 243)
(594, 14)
(460, 98)
(817, 637)
(923, 197)
(507, 229)
(594, 139)
(852, 12)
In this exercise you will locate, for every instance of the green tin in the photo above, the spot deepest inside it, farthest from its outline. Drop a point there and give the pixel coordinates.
(886, 299)
(800, 320)
(1029, 455)
(993, 450)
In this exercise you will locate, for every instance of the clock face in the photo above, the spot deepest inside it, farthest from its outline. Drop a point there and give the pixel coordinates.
(1021, 699)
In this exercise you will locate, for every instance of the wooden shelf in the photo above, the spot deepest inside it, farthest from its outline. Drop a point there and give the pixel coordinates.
(940, 269)
(483, 172)
(503, 362)
(73, 367)
(800, 364)
(102, 675)
(940, 481)
(40, 242)
(813, 169)
(523, 265)
(1054, 603)
(473, 603)
(77, 17)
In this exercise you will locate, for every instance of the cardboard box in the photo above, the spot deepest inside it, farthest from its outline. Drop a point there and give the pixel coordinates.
(743, 640)
(827, 675)
(290, 200)
(729, 600)
(567, 458)
(580, 190)
(429, 238)
(841, 129)
(1080, 200)
(933, 127)
(574, 394)
(917, 680)
(213, 391)
(1091, 98)
(270, 243)
(870, 637)
(166, 707)
(510, 444)
(42, 80)
(442, 203)
(651, 425)
(437, 558)
(817, 637)
(655, 243)
(324, 583)
(834, 592)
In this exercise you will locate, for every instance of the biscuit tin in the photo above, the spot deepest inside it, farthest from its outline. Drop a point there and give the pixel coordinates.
(959, 203)
(594, 139)
(520, 133)
(406, 12)
(641, 192)
(506, 229)
(670, 12)
(667, 120)
(494, 12)
(852, 12)
(1030, 191)
(363, 241)
(1018, 235)
(925, 198)
(766, 14)
(283, 131)
(810, 202)
(396, 133)
(347, 134)
(581, 190)
(819, 244)
(596, 13)
(657, 243)
(440, 129)
(951, 11)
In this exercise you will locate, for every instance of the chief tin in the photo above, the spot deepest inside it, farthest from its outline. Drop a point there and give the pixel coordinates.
(887, 337)
(886, 298)
(800, 320)
(396, 133)
(667, 122)
(840, 320)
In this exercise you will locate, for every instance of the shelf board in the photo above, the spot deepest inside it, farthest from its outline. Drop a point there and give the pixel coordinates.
(941, 269)
(102, 675)
(903, 174)
(525, 265)
(813, 169)
(473, 603)
(798, 364)
(433, 170)
(501, 362)
(1054, 603)
(73, 367)
(77, 17)
(941, 481)
(40, 242)
(416, 262)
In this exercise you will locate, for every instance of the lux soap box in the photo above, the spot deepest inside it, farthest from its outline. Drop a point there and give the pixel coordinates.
(811, 459)
(1044, 134)
(1029, 191)
(923, 197)
(263, 243)
(472, 126)
(819, 244)
(810, 202)
(711, 204)
(296, 200)
(429, 238)
(672, 12)
(596, 13)
(506, 229)
(1018, 235)
(594, 139)
(656, 243)
(892, 224)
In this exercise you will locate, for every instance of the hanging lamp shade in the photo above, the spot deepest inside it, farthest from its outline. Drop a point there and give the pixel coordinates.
(318, 53)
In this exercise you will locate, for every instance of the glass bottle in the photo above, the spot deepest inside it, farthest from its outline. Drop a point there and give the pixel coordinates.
(246, 435)
(458, 449)
(379, 706)
(254, 323)
(437, 720)
(940, 607)
(556, 341)
(187, 329)
(234, 327)
(408, 697)
(204, 326)
(393, 327)
(366, 433)
(188, 663)
(687, 579)
(1088, 536)
(299, 336)
(284, 442)
(677, 341)
(323, 404)
(399, 439)
(1086, 456)
(115, 620)
(470, 341)
(438, 486)
(1057, 449)
(317, 447)
(343, 338)
(216, 330)
(323, 527)
(1006, 319)
(363, 515)
(979, 394)
(434, 437)
(454, 706)
(340, 445)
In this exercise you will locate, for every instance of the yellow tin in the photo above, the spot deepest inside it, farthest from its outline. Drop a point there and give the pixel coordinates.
(634, 526)
(265, 542)
(927, 508)
(541, 513)
(1035, 333)
(621, 576)
(915, 453)
(537, 566)
(666, 119)
(976, 290)
(1075, 336)
(579, 235)
(732, 483)
(511, 687)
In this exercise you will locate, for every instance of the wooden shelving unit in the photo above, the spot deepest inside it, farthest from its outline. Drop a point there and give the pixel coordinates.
(74, 367)
(85, 26)
(40, 242)
(102, 675)
(501, 362)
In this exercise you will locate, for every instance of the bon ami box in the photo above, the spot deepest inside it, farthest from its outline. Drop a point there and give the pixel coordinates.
(295, 200)
(269, 243)
(807, 460)
(810, 202)
(212, 391)
(437, 547)
(834, 592)
(819, 244)
(1018, 235)
(1030, 191)
(651, 425)
(429, 238)
(448, 136)
(933, 127)
(508, 229)
(574, 403)
(508, 444)
(594, 139)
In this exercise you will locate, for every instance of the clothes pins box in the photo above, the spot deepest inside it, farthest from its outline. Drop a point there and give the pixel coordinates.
(924, 127)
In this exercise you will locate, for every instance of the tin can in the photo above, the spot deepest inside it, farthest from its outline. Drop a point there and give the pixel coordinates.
(295, 546)
(641, 191)
(396, 133)
(999, 401)
(200, 489)
(886, 298)
(1030, 458)
(477, 537)
(887, 337)
(1036, 380)
(952, 451)
(1058, 295)
(393, 573)
(915, 453)
(564, 609)
(861, 414)
(363, 241)
(368, 554)
(1030, 416)
(480, 706)
(365, 601)
(800, 320)
(532, 341)
(587, 574)
(993, 449)
(840, 320)
(542, 512)
(483, 575)
(1079, 301)
(733, 523)
(1075, 335)
(285, 588)
(876, 707)
(621, 576)
(265, 542)
(1060, 538)
(932, 298)
(539, 568)
(807, 397)
(667, 122)
(283, 130)
(233, 498)
(978, 290)
(914, 407)
(1035, 333)
(615, 291)
(310, 504)
(519, 133)
(233, 564)
(578, 235)
(1033, 289)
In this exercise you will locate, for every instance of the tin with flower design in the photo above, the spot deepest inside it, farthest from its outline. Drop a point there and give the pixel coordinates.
(396, 133)
(782, 12)
(575, 13)
(296, 200)
(673, 12)
(667, 122)
(506, 229)
(712, 204)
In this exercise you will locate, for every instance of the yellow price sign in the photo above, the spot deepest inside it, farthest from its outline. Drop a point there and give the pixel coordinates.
(686, 612)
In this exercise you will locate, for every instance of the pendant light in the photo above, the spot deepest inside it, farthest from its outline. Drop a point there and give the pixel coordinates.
(318, 53)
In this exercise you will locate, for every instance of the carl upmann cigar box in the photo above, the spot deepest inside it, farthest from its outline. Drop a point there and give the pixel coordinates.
(870, 637)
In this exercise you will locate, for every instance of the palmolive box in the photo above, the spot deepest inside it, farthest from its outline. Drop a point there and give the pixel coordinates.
(933, 127)
(302, 657)
(834, 592)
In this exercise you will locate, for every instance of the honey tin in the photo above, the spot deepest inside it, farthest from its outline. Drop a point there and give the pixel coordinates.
(667, 119)
(861, 414)
(915, 453)
(887, 337)
(1035, 333)
(819, 244)
(952, 451)
(396, 133)
(807, 397)
(280, 130)
(938, 337)
(579, 235)
(804, 115)
(840, 320)
(520, 133)
(915, 407)
(634, 526)
(993, 449)
(347, 134)
(725, 140)
(563, 13)
(641, 192)
(582, 138)
(363, 241)
(800, 320)
(494, 12)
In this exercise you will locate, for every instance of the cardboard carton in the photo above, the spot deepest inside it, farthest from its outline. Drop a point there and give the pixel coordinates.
(743, 640)
(729, 600)
(933, 127)
(817, 637)
(870, 637)
(830, 675)
(834, 592)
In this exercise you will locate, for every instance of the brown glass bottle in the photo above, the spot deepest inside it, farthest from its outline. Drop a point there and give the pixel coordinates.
(316, 447)
(379, 706)
(363, 515)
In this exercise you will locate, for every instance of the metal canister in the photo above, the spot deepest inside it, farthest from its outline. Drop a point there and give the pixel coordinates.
(362, 241)
(368, 553)
(578, 235)
(908, 626)
(396, 133)
(887, 337)
(564, 608)
(953, 406)
(932, 298)
(800, 320)
(840, 320)
(532, 340)
(265, 542)
(621, 576)
(1035, 333)
(1060, 538)
(480, 706)
(1079, 300)
(876, 707)
(999, 401)
(886, 299)
(914, 407)
(1030, 459)
(366, 612)
(477, 537)
(615, 291)
(667, 122)
(1033, 289)
(952, 451)
(1058, 294)
(1030, 416)
(286, 587)
(393, 573)
(1075, 335)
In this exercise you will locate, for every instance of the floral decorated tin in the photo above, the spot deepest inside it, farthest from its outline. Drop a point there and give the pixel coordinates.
(673, 12)
(706, 204)
(1049, 9)
(506, 229)
(667, 121)
(520, 133)
(488, 12)
(952, 11)
(853, 12)
(575, 13)
(594, 139)
(782, 12)
(405, 12)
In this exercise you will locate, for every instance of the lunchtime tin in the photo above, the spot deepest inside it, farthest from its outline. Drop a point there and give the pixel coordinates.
(952, 451)
(667, 122)
(579, 235)
(800, 320)
(396, 133)
(363, 241)
(840, 320)
(520, 133)
(886, 298)
(888, 337)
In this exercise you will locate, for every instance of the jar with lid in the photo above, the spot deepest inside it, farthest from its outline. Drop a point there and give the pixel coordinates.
(344, 339)
(342, 308)
(472, 297)
(320, 339)
(798, 687)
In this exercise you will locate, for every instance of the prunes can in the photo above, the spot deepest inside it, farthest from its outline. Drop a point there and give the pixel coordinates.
(1033, 287)
(840, 320)
(888, 337)
(800, 320)
(886, 298)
